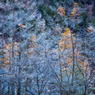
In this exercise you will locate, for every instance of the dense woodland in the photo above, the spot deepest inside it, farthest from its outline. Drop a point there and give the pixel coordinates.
(47, 47)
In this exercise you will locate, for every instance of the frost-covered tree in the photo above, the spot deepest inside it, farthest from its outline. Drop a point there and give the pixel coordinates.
(40, 54)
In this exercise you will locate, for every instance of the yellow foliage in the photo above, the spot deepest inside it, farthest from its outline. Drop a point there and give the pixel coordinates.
(65, 45)
(75, 12)
(32, 38)
(61, 10)
(21, 25)
(60, 41)
(32, 46)
(65, 42)
(90, 29)
(16, 53)
(73, 34)
(9, 46)
(75, 4)
(8, 52)
(67, 32)
(30, 52)
(29, 46)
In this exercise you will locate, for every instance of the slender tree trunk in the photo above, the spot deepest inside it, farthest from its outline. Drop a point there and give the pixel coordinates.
(19, 83)
(0, 86)
(38, 85)
(19, 67)
(26, 83)
(19, 87)
(8, 88)
(85, 89)
(1, 63)
(73, 59)
(60, 71)
(12, 63)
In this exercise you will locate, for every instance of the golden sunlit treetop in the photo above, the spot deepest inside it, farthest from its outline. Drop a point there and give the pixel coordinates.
(61, 11)
(75, 4)
(75, 12)
(67, 32)
(65, 42)
(33, 45)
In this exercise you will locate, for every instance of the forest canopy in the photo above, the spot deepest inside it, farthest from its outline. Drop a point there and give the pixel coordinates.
(47, 47)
